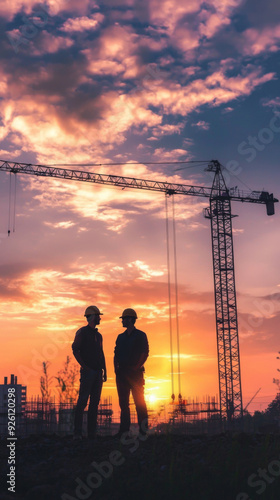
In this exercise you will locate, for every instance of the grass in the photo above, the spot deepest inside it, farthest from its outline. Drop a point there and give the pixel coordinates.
(164, 467)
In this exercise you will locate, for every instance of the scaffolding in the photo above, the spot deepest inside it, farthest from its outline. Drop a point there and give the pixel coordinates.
(49, 417)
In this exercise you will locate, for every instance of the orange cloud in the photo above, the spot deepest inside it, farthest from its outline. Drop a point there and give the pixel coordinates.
(49, 44)
(169, 12)
(256, 41)
(83, 23)
(168, 129)
(214, 90)
(8, 8)
(201, 124)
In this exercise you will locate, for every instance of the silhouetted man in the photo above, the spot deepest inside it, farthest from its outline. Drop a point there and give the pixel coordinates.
(131, 352)
(88, 351)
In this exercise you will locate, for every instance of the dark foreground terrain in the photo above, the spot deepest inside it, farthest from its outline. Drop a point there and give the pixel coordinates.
(163, 467)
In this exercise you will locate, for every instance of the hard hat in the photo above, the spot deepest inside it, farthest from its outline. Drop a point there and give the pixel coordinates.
(129, 313)
(92, 310)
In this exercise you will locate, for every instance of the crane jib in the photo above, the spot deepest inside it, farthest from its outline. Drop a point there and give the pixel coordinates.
(169, 188)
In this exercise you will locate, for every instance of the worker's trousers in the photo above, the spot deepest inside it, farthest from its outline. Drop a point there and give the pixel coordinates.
(129, 381)
(90, 387)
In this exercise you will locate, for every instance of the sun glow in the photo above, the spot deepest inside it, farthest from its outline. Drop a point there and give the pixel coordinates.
(152, 399)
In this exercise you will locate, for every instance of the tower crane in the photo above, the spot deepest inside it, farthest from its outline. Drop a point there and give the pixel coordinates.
(219, 213)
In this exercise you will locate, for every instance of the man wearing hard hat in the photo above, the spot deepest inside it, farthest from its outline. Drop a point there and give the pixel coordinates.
(131, 352)
(88, 351)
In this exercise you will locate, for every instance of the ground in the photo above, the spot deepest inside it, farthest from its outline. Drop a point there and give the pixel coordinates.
(160, 467)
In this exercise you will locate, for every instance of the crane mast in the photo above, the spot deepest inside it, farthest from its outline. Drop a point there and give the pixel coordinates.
(219, 213)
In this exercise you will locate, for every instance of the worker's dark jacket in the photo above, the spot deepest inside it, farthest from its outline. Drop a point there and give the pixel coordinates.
(90, 344)
(129, 348)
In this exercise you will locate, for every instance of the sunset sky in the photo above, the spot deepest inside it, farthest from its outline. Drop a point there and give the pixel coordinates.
(137, 81)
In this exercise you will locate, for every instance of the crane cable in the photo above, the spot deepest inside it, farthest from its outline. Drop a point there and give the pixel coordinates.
(10, 203)
(169, 295)
(15, 200)
(10, 196)
(176, 298)
(193, 163)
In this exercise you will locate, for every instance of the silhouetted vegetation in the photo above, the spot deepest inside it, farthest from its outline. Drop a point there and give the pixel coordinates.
(66, 378)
